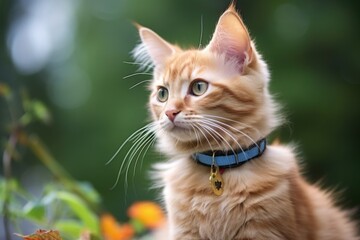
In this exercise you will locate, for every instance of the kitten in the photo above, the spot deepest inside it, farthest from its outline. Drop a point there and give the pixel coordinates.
(212, 112)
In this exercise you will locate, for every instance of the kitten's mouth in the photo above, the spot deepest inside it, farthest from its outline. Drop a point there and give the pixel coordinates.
(175, 128)
(177, 125)
(180, 131)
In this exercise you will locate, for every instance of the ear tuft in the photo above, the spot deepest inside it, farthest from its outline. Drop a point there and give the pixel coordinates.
(232, 6)
(153, 50)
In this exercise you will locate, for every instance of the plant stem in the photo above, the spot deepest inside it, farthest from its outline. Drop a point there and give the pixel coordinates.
(7, 173)
(39, 149)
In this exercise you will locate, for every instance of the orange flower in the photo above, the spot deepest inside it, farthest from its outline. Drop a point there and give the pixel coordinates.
(112, 230)
(148, 213)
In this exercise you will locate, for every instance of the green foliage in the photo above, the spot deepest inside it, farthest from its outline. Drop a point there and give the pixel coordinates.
(138, 226)
(35, 110)
(78, 207)
(35, 211)
(56, 208)
(66, 205)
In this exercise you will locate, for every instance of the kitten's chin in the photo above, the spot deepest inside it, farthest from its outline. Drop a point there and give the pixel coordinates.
(181, 134)
(172, 146)
(172, 140)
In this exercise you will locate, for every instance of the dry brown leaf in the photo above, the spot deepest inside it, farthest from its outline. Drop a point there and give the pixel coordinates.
(42, 235)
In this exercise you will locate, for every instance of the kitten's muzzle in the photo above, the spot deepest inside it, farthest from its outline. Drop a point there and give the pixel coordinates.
(171, 114)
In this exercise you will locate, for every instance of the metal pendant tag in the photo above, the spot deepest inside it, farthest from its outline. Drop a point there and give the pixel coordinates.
(216, 181)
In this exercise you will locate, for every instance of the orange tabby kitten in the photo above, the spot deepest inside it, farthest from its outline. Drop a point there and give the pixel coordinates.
(212, 112)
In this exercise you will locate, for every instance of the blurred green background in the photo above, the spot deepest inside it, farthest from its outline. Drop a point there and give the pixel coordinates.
(71, 53)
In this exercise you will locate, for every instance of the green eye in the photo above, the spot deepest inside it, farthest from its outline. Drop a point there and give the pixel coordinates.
(162, 94)
(199, 87)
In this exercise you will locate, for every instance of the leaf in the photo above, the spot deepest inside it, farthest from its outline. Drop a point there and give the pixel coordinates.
(42, 235)
(89, 191)
(78, 207)
(86, 235)
(9, 185)
(34, 211)
(70, 228)
(138, 226)
(11, 192)
(40, 111)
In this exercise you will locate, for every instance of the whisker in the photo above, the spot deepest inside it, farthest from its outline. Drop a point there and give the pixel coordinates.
(219, 135)
(137, 63)
(210, 117)
(146, 150)
(227, 133)
(204, 136)
(235, 129)
(139, 83)
(196, 135)
(209, 127)
(230, 120)
(201, 31)
(137, 137)
(149, 144)
(125, 160)
(136, 74)
(130, 138)
(210, 131)
(137, 151)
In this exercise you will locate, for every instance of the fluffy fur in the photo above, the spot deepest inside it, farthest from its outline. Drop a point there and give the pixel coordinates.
(266, 198)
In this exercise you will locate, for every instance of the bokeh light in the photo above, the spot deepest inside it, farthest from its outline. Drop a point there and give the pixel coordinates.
(39, 35)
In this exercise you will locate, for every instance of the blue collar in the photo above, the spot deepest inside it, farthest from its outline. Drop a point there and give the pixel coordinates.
(231, 159)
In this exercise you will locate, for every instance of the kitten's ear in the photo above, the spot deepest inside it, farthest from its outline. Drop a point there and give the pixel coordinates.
(231, 39)
(152, 46)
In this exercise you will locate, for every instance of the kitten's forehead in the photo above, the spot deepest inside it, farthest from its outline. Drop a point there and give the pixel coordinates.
(185, 66)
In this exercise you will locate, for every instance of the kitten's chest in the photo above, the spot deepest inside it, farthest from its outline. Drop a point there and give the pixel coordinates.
(195, 212)
(206, 216)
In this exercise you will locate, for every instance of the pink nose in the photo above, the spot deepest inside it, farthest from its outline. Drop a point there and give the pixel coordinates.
(171, 114)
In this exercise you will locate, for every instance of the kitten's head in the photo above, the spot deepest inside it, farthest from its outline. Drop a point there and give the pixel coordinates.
(214, 98)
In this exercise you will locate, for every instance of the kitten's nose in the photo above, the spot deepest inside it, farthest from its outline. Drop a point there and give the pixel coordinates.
(171, 114)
